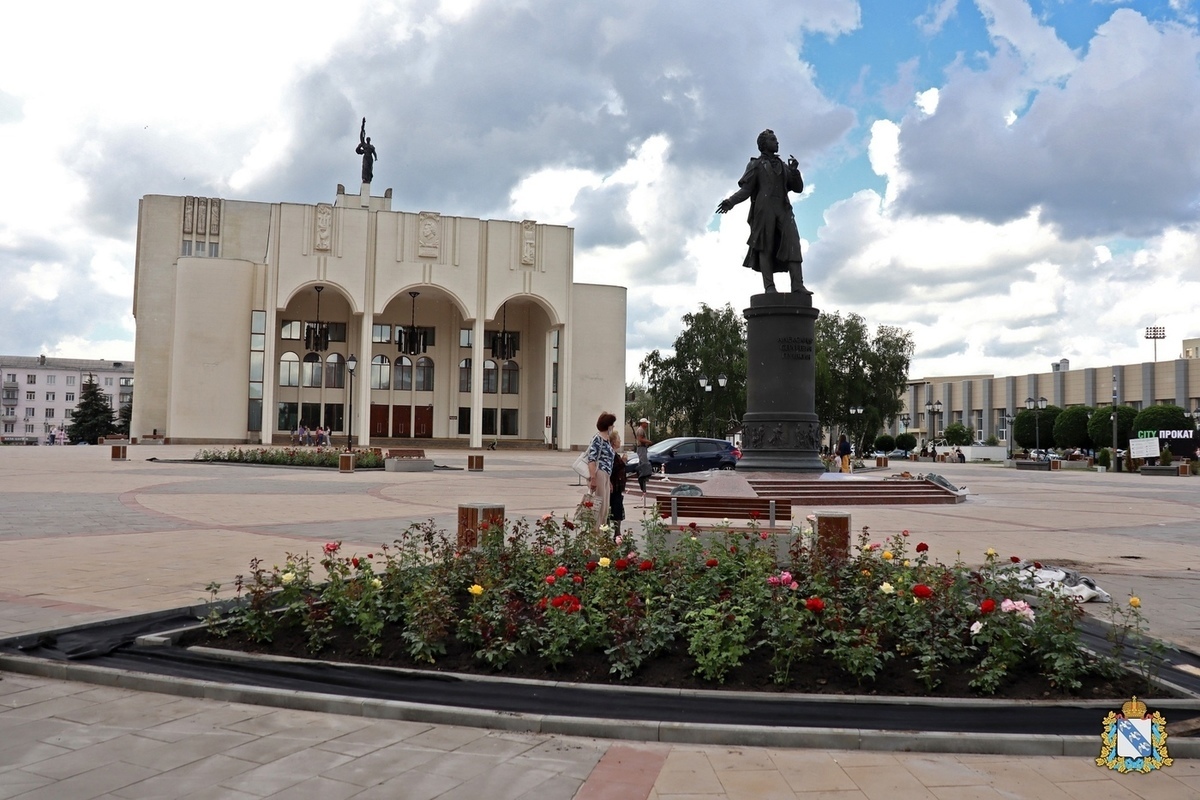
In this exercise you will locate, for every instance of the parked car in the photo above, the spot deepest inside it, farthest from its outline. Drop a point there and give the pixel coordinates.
(689, 454)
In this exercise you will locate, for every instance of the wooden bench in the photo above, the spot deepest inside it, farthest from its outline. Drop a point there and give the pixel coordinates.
(405, 452)
(767, 511)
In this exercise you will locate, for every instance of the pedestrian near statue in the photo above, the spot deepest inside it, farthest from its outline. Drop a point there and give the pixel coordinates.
(600, 464)
(774, 243)
(843, 451)
(641, 441)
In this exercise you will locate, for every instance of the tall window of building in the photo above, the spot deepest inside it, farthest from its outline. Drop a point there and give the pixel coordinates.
(510, 380)
(49, 413)
(381, 372)
(186, 250)
(70, 380)
(258, 370)
(381, 333)
(289, 415)
(50, 379)
(31, 379)
(290, 329)
(49, 397)
(337, 331)
(69, 397)
(30, 411)
(335, 371)
(466, 337)
(10, 377)
(404, 373)
(214, 249)
(289, 369)
(310, 372)
(8, 427)
(31, 395)
(108, 381)
(424, 374)
(464, 375)
(490, 377)
(508, 422)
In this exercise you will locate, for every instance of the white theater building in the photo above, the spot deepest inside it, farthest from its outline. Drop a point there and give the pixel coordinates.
(231, 348)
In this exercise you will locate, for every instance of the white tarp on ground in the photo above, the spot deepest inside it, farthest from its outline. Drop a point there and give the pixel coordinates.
(1061, 580)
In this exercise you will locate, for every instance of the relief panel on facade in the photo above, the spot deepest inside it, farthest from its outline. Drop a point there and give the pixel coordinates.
(214, 217)
(201, 215)
(429, 234)
(528, 243)
(323, 234)
(189, 211)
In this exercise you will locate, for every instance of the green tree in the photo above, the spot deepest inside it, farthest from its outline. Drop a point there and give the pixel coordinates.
(1100, 426)
(1071, 428)
(855, 369)
(957, 434)
(1161, 418)
(1035, 429)
(93, 415)
(906, 441)
(712, 343)
(124, 417)
(885, 443)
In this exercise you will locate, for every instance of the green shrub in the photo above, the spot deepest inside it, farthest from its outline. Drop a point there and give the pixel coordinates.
(1104, 458)
(885, 443)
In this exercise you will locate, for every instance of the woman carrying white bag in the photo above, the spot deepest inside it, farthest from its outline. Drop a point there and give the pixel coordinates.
(599, 457)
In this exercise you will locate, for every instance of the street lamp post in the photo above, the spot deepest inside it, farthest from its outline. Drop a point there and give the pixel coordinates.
(931, 412)
(855, 415)
(1116, 461)
(351, 363)
(1009, 419)
(1036, 406)
(707, 387)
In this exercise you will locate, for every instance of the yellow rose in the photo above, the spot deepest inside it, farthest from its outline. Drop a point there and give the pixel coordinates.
(376, 583)
(604, 562)
(886, 588)
(887, 555)
(287, 577)
(990, 553)
(1134, 602)
(475, 589)
(907, 563)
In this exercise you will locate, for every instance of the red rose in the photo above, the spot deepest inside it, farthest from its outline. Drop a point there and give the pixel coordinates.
(541, 603)
(370, 555)
(754, 514)
(904, 532)
(550, 579)
(577, 578)
(331, 547)
(922, 591)
(1015, 559)
(558, 601)
(483, 526)
(646, 565)
(922, 547)
(591, 566)
(712, 562)
(354, 562)
(620, 564)
(560, 571)
(815, 605)
(1037, 565)
(692, 525)
(733, 548)
(987, 606)
(568, 524)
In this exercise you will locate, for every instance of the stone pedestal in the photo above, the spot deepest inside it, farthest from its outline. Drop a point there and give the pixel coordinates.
(781, 431)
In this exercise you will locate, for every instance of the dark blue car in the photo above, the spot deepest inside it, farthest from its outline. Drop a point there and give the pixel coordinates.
(689, 454)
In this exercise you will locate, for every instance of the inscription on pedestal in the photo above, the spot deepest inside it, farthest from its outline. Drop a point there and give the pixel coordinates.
(795, 348)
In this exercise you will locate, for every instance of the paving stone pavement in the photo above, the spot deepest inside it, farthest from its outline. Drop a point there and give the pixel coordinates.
(85, 538)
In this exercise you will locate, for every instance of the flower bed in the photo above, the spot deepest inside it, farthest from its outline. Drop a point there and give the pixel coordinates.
(290, 456)
(560, 598)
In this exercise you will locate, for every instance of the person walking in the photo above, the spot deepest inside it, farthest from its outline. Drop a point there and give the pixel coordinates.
(641, 441)
(616, 498)
(600, 463)
(843, 451)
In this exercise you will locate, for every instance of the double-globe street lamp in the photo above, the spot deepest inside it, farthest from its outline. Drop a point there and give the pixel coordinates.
(931, 412)
(1037, 407)
(855, 415)
(707, 386)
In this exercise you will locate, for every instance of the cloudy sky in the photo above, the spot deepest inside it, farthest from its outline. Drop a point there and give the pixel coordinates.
(1014, 181)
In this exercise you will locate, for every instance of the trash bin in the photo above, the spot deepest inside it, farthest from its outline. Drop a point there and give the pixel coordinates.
(1119, 460)
(118, 452)
(476, 521)
(346, 462)
(474, 463)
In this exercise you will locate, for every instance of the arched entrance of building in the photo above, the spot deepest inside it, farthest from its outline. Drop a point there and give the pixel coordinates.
(314, 335)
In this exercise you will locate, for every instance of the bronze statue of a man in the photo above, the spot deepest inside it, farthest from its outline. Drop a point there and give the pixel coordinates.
(367, 151)
(774, 242)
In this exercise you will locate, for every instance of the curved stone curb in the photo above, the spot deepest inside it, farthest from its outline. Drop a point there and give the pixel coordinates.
(632, 730)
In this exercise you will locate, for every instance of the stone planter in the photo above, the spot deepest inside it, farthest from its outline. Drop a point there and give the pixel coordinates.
(408, 465)
(1159, 470)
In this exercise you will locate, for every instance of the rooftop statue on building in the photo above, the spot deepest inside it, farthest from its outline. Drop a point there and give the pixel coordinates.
(367, 151)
